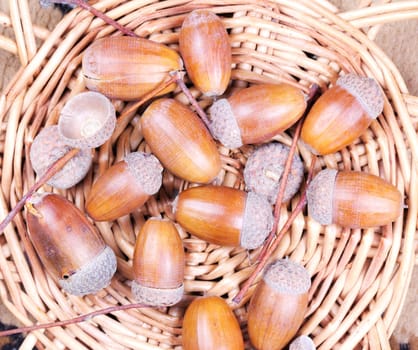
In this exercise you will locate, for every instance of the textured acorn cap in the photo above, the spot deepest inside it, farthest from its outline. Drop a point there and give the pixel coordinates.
(93, 276)
(47, 148)
(157, 296)
(319, 195)
(302, 342)
(146, 169)
(287, 277)
(257, 221)
(264, 169)
(223, 125)
(366, 91)
(88, 119)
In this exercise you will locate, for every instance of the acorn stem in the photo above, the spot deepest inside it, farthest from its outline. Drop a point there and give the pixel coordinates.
(52, 170)
(273, 246)
(192, 100)
(97, 13)
(78, 319)
(313, 95)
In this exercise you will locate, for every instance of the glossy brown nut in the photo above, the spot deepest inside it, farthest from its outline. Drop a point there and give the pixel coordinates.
(127, 68)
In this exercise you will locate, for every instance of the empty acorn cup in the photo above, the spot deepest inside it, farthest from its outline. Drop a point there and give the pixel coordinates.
(303, 342)
(47, 148)
(88, 119)
(264, 169)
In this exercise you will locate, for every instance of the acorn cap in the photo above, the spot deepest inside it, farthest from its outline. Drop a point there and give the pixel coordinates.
(366, 91)
(264, 168)
(157, 296)
(319, 195)
(223, 125)
(287, 277)
(47, 148)
(146, 169)
(302, 342)
(88, 119)
(257, 221)
(93, 276)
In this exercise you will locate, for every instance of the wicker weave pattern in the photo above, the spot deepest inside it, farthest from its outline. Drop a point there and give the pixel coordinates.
(299, 42)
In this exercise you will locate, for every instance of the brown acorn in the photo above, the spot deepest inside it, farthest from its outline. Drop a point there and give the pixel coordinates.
(224, 215)
(158, 264)
(278, 305)
(352, 199)
(180, 140)
(124, 187)
(206, 51)
(68, 244)
(256, 114)
(127, 68)
(210, 324)
(342, 114)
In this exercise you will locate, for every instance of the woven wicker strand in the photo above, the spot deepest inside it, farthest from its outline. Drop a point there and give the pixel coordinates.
(359, 277)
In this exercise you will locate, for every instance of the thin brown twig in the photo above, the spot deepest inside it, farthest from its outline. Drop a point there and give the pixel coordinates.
(77, 319)
(97, 13)
(52, 170)
(262, 263)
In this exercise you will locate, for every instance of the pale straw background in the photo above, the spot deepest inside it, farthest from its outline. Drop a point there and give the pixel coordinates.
(398, 40)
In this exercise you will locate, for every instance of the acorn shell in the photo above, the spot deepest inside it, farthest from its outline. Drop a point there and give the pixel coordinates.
(342, 114)
(278, 306)
(127, 68)
(68, 245)
(206, 51)
(124, 187)
(353, 199)
(180, 140)
(158, 264)
(224, 215)
(87, 120)
(210, 324)
(47, 148)
(256, 114)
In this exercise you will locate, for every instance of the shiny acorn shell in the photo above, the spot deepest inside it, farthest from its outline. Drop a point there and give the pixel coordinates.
(127, 68)
(68, 245)
(353, 199)
(158, 264)
(180, 140)
(210, 324)
(255, 114)
(206, 51)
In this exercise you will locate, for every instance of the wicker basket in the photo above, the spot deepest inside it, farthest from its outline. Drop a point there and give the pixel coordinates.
(360, 277)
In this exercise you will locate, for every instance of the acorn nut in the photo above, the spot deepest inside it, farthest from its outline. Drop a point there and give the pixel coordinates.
(124, 187)
(256, 114)
(68, 245)
(158, 264)
(224, 216)
(342, 114)
(352, 199)
(278, 306)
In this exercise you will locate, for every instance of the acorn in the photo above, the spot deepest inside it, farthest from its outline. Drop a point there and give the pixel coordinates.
(47, 148)
(342, 114)
(352, 199)
(256, 114)
(303, 342)
(127, 68)
(210, 324)
(158, 264)
(180, 140)
(224, 215)
(206, 51)
(124, 187)
(278, 306)
(87, 120)
(264, 169)
(68, 244)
